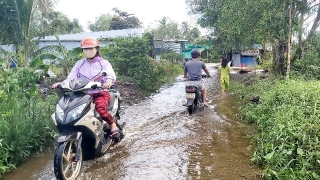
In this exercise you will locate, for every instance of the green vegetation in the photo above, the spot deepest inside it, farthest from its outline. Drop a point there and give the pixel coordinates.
(286, 111)
(130, 59)
(287, 115)
(172, 56)
(25, 123)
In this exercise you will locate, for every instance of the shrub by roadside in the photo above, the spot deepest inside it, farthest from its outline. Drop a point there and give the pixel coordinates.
(287, 115)
(25, 124)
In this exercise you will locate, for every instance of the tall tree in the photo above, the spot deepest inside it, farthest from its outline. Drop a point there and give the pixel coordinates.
(123, 20)
(60, 24)
(240, 23)
(20, 24)
(45, 7)
(102, 23)
(189, 32)
(15, 18)
(167, 29)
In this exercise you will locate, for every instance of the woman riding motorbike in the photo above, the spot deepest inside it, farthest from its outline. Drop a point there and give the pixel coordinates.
(91, 68)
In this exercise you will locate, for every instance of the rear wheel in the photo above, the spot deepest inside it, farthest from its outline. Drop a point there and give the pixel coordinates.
(190, 109)
(65, 165)
(200, 104)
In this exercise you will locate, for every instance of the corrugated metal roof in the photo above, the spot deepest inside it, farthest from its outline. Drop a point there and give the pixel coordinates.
(99, 34)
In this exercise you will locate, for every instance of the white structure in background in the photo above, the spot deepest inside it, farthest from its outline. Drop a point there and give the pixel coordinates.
(167, 46)
(247, 57)
(71, 41)
(9, 48)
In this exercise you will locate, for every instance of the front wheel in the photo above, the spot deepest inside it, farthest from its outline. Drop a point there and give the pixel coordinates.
(66, 167)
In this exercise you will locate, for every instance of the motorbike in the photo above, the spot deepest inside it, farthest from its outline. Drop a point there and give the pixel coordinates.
(83, 134)
(194, 97)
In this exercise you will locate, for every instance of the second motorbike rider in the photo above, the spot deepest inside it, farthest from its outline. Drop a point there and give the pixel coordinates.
(193, 71)
(90, 68)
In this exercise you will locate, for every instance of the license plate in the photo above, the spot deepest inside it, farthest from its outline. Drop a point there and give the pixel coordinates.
(191, 95)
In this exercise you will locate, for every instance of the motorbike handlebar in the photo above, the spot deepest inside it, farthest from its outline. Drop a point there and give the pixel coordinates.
(95, 86)
(202, 76)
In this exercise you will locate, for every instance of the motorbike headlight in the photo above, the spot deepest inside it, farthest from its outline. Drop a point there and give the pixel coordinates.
(59, 114)
(75, 113)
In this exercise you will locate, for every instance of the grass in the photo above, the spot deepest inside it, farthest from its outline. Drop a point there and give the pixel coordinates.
(287, 116)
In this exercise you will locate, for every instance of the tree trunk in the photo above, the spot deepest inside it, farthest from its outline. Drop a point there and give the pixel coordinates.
(298, 52)
(281, 52)
(289, 44)
(274, 58)
(315, 24)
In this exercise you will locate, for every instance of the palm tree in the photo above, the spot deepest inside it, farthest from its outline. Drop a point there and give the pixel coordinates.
(44, 6)
(15, 22)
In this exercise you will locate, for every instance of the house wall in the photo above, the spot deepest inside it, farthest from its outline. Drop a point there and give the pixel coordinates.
(243, 60)
(236, 60)
(68, 45)
(71, 41)
(9, 48)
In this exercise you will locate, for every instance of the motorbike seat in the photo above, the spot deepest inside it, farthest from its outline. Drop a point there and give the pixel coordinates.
(196, 87)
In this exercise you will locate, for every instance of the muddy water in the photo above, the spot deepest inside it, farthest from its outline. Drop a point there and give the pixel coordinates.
(164, 142)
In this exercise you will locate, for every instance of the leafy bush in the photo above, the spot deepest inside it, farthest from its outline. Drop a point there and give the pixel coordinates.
(308, 66)
(130, 59)
(173, 56)
(25, 123)
(287, 116)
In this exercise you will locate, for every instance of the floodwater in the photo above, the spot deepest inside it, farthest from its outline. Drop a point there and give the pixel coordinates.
(164, 142)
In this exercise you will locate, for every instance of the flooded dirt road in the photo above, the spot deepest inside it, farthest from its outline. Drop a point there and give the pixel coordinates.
(164, 142)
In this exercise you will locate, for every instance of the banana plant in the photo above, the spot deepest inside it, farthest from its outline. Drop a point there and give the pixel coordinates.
(57, 54)
(15, 18)
(68, 58)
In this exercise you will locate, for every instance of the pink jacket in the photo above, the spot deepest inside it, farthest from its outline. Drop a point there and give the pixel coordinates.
(83, 69)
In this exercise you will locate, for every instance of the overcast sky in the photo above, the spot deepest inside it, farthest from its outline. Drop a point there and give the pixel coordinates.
(148, 11)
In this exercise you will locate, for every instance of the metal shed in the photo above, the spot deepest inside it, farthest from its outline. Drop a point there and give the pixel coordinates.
(246, 58)
(71, 41)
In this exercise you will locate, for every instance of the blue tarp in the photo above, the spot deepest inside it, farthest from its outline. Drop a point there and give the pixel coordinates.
(248, 61)
(13, 64)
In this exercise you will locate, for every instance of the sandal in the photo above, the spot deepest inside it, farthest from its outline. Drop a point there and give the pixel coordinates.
(114, 133)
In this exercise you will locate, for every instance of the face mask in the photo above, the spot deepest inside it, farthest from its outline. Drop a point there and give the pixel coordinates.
(90, 53)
